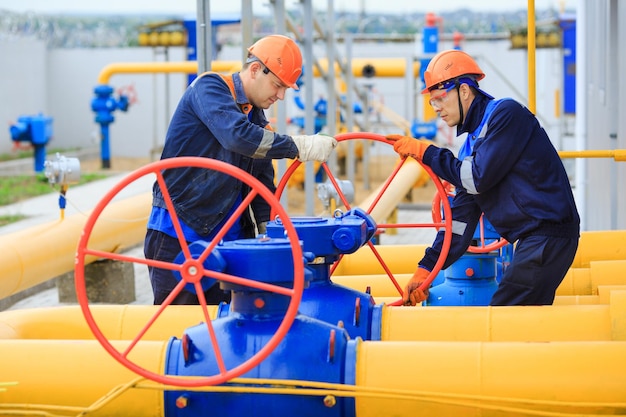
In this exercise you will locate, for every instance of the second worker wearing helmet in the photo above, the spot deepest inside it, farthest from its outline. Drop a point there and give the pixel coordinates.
(222, 117)
(507, 169)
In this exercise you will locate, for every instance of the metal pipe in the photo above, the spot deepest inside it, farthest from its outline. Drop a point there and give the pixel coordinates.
(60, 376)
(602, 322)
(114, 321)
(385, 67)
(35, 255)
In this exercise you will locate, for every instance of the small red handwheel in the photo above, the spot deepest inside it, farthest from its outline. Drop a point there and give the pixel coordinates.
(446, 223)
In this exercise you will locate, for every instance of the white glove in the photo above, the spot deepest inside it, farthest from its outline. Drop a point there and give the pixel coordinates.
(314, 147)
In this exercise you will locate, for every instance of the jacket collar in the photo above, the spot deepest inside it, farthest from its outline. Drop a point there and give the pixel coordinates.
(474, 114)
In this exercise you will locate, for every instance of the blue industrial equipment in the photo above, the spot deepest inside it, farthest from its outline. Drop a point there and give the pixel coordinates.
(326, 239)
(427, 130)
(568, 26)
(38, 131)
(312, 350)
(470, 281)
(473, 278)
(104, 104)
(430, 40)
(323, 241)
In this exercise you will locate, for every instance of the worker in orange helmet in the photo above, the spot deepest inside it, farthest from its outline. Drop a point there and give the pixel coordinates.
(222, 117)
(507, 169)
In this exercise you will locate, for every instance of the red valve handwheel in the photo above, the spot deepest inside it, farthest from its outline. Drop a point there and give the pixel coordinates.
(192, 271)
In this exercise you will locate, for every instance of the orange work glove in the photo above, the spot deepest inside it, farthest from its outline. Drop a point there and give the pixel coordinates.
(412, 292)
(408, 146)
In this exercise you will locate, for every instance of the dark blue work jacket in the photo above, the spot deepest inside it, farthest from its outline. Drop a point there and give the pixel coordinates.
(214, 119)
(513, 175)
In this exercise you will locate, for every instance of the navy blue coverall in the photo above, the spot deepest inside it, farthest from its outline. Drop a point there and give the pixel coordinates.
(515, 177)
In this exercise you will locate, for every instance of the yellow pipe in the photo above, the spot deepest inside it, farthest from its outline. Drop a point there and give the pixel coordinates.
(115, 322)
(577, 281)
(36, 255)
(185, 67)
(402, 183)
(521, 323)
(619, 155)
(57, 374)
(384, 67)
(401, 259)
(486, 378)
(600, 245)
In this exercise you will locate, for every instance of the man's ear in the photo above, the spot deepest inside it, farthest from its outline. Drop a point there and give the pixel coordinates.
(255, 67)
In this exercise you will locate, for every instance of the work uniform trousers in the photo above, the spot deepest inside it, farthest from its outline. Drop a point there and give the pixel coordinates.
(538, 267)
(162, 247)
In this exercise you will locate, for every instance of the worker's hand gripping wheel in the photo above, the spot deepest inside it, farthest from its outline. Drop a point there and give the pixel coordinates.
(446, 223)
(191, 270)
(481, 247)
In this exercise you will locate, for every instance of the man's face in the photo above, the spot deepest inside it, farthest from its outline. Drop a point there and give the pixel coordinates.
(268, 89)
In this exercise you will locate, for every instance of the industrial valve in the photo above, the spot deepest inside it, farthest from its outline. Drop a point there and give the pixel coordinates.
(104, 104)
(34, 129)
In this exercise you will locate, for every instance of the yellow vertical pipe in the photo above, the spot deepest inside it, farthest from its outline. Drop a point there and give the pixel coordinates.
(532, 99)
(77, 374)
(484, 378)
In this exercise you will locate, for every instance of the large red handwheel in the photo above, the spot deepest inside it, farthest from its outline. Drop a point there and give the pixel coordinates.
(446, 223)
(481, 247)
(192, 271)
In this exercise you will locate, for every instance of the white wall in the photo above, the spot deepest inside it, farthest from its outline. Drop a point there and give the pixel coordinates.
(23, 87)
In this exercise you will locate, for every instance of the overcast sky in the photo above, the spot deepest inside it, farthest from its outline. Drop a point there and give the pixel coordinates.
(224, 6)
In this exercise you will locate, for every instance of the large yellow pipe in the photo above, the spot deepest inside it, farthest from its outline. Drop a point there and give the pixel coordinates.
(577, 281)
(383, 67)
(114, 321)
(402, 183)
(36, 255)
(400, 378)
(593, 246)
(496, 324)
(58, 373)
(599, 246)
(490, 379)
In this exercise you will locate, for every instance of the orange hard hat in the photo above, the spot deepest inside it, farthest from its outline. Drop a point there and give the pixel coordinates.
(450, 64)
(280, 55)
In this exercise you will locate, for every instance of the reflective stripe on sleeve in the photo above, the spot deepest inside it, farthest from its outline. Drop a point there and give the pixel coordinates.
(467, 179)
(265, 145)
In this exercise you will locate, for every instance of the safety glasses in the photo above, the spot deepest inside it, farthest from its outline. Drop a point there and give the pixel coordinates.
(438, 101)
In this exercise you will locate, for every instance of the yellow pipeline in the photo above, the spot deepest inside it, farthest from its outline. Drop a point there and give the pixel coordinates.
(400, 378)
(402, 183)
(619, 155)
(383, 67)
(402, 259)
(577, 281)
(76, 374)
(36, 255)
(490, 379)
(115, 322)
(495, 324)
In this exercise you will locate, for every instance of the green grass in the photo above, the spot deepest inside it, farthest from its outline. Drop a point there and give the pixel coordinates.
(22, 187)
